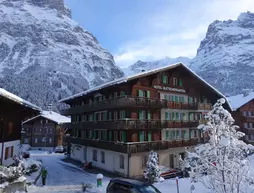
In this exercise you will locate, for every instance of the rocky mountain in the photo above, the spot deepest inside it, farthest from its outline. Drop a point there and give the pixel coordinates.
(225, 58)
(45, 55)
(140, 66)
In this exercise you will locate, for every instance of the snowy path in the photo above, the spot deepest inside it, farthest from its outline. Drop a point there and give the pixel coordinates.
(62, 177)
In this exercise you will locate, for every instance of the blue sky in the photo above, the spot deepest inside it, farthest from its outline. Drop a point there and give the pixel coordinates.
(152, 29)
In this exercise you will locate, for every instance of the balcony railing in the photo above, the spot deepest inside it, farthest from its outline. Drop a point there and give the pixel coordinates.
(121, 102)
(135, 147)
(129, 124)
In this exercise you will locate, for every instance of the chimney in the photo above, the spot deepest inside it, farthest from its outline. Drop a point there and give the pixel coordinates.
(245, 92)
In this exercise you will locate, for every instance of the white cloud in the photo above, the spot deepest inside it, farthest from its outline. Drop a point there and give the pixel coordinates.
(175, 34)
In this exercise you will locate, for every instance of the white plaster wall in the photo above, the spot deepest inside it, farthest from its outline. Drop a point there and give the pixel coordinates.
(112, 159)
(16, 151)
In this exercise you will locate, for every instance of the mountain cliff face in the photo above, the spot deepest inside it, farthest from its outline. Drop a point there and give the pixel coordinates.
(225, 58)
(140, 66)
(45, 55)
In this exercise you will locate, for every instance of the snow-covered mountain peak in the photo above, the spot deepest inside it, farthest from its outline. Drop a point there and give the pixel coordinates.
(45, 55)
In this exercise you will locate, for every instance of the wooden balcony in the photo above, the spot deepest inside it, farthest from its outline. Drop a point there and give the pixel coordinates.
(135, 147)
(129, 124)
(179, 105)
(121, 102)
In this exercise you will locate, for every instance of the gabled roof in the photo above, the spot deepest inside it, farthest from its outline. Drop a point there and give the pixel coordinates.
(143, 74)
(53, 116)
(239, 100)
(16, 99)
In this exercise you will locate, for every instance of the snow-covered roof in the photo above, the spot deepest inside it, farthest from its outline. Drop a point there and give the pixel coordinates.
(139, 75)
(14, 98)
(239, 100)
(53, 116)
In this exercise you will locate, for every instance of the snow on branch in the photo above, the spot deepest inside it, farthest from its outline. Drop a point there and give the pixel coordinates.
(222, 164)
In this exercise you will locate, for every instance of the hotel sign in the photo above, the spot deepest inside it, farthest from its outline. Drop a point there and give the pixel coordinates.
(169, 88)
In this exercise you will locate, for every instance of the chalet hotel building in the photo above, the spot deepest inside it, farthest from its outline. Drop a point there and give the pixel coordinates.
(115, 125)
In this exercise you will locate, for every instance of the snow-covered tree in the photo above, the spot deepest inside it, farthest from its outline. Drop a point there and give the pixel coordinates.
(153, 170)
(222, 164)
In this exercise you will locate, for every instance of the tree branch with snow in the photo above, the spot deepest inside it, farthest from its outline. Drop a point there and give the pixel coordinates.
(221, 165)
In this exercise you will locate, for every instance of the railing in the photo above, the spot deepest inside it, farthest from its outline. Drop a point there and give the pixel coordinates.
(131, 101)
(130, 124)
(134, 147)
(124, 101)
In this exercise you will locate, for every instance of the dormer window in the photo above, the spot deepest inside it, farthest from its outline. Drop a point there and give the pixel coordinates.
(164, 79)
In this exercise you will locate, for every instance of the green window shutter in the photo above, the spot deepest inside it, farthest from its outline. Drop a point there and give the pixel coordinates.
(141, 136)
(166, 116)
(177, 116)
(110, 115)
(140, 93)
(141, 114)
(176, 99)
(164, 79)
(177, 134)
(191, 116)
(104, 116)
(148, 94)
(173, 98)
(149, 136)
(148, 115)
(124, 136)
(167, 135)
(173, 116)
(122, 114)
(110, 135)
(122, 93)
(165, 96)
(180, 82)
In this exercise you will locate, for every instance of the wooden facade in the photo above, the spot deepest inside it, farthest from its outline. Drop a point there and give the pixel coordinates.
(244, 118)
(43, 133)
(132, 112)
(12, 113)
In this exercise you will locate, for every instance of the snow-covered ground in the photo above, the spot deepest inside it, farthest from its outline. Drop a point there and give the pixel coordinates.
(67, 178)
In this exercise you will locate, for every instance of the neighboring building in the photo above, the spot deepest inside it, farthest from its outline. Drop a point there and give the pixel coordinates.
(45, 131)
(243, 113)
(115, 125)
(13, 111)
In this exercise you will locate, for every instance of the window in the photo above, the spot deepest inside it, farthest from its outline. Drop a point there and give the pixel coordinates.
(103, 157)
(121, 161)
(94, 155)
(245, 125)
(250, 125)
(35, 140)
(249, 113)
(144, 160)
(190, 99)
(177, 116)
(178, 135)
(46, 120)
(244, 113)
(91, 117)
(122, 93)
(176, 99)
(91, 134)
(10, 128)
(50, 140)
(175, 81)
(115, 136)
(166, 116)
(122, 114)
(180, 82)
(104, 116)
(9, 152)
(115, 95)
(41, 121)
(149, 136)
(164, 79)
(148, 115)
(104, 135)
